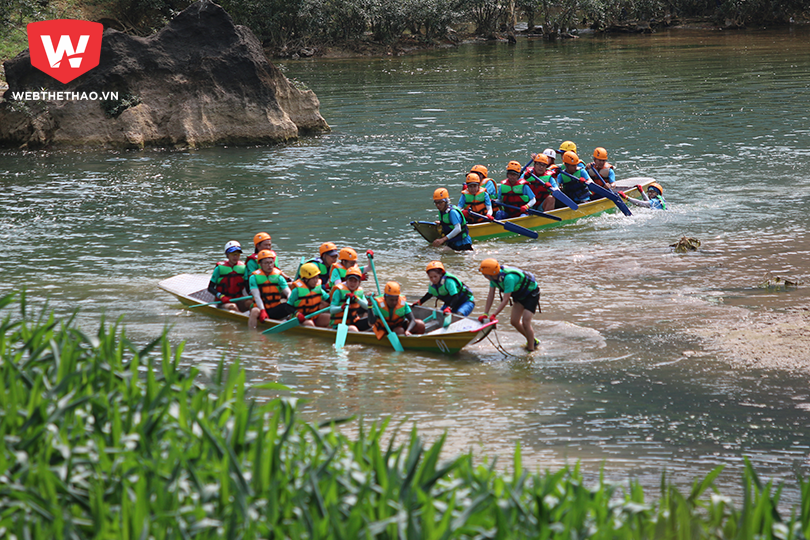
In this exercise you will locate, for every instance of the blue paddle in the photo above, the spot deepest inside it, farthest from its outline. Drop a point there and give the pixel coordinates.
(509, 226)
(292, 323)
(562, 197)
(530, 211)
(392, 336)
(596, 189)
(220, 301)
(343, 328)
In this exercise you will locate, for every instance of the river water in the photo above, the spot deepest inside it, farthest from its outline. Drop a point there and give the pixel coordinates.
(625, 379)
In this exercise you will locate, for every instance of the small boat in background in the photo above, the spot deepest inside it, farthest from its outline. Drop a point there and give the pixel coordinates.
(430, 231)
(192, 289)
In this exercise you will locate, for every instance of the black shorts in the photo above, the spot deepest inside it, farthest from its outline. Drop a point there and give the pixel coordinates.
(280, 312)
(362, 324)
(530, 302)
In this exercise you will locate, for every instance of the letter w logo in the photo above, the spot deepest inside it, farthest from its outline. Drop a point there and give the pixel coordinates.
(65, 32)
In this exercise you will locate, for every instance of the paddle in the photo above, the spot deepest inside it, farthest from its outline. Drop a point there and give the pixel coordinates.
(392, 336)
(343, 328)
(562, 197)
(292, 323)
(596, 189)
(220, 301)
(509, 226)
(374, 271)
(448, 317)
(530, 211)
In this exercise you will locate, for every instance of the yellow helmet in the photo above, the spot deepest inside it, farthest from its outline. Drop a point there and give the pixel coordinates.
(354, 271)
(327, 246)
(541, 158)
(657, 186)
(347, 254)
(391, 289)
(480, 169)
(600, 153)
(440, 194)
(490, 267)
(567, 146)
(265, 253)
(309, 271)
(435, 265)
(473, 178)
(261, 237)
(514, 166)
(570, 158)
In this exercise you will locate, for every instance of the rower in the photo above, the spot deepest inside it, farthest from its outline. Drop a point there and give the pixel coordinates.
(347, 258)
(568, 146)
(653, 198)
(553, 168)
(600, 170)
(328, 255)
(541, 182)
(397, 313)
(268, 287)
(522, 288)
(453, 223)
(261, 242)
(350, 290)
(474, 199)
(573, 180)
(308, 296)
(487, 183)
(457, 297)
(514, 191)
(228, 279)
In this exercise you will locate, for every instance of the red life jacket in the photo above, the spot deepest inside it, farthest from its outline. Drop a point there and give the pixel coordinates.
(231, 278)
(513, 196)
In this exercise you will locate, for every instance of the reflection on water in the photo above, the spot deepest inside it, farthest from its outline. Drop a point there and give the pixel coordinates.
(622, 379)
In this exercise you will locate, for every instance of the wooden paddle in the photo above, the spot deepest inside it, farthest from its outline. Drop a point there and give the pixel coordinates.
(530, 211)
(596, 189)
(562, 197)
(220, 301)
(292, 323)
(509, 226)
(343, 328)
(392, 336)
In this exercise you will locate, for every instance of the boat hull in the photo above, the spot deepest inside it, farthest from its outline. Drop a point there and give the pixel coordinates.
(191, 289)
(486, 231)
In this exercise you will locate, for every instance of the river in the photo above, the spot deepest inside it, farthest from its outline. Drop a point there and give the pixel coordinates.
(646, 362)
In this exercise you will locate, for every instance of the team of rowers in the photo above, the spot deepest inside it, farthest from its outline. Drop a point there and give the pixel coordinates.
(327, 285)
(530, 187)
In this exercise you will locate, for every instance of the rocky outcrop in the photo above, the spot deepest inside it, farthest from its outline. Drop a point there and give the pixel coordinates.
(200, 81)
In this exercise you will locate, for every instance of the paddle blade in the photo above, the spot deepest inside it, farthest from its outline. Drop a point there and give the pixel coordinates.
(518, 229)
(394, 340)
(292, 323)
(342, 332)
(565, 199)
(448, 318)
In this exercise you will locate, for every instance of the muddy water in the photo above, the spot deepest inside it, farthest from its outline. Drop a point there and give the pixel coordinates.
(646, 361)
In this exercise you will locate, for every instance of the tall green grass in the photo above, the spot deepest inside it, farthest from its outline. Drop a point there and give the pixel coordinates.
(105, 439)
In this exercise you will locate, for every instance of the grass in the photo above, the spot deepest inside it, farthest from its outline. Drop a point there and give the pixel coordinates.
(105, 439)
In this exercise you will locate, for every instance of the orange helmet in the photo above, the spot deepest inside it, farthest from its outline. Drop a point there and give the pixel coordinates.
(600, 153)
(490, 267)
(567, 146)
(435, 265)
(514, 166)
(473, 178)
(347, 254)
(480, 169)
(265, 253)
(354, 271)
(391, 289)
(657, 186)
(441, 194)
(261, 237)
(570, 158)
(327, 246)
(541, 158)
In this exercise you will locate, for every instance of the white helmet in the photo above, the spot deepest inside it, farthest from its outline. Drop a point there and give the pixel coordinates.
(232, 246)
(550, 153)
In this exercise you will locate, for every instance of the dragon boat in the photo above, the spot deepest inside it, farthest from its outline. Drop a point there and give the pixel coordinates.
(192, 289)
(430, 231)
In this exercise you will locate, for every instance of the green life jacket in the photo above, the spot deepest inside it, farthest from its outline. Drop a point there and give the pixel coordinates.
(444, 219)
(443, 294)
(526, 286)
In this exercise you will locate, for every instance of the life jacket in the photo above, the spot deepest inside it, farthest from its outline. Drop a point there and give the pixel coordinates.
(308, 299)
(231, 278)
(513, 196)
(489, 185)
(572, 187)
(476, 203)
(661, 200)
(341, 271)
(525, 288)
(341, 291)
(604, 172)
(553, 170)
(447, 227)
(394, 319)
(441, 292)
(251, 263)
(268, 287)
(538, 184)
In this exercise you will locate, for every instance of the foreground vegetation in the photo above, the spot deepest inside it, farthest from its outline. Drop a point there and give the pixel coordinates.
(105, 439)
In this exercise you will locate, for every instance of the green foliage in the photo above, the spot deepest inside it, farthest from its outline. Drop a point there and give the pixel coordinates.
(144, 17)
(102, 438)
(485, 14)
